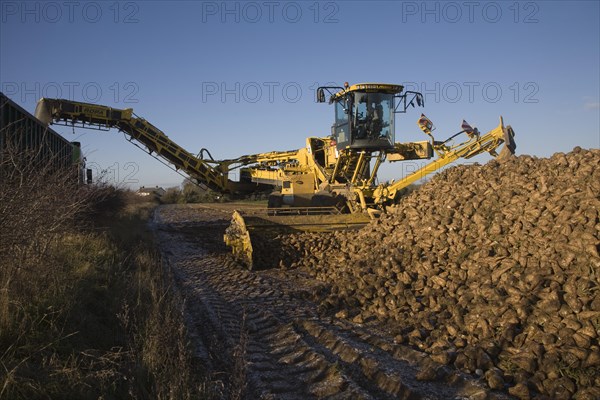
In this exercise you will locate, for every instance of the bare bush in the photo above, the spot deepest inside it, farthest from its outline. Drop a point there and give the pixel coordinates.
(39, 202)
(83, 312)
(171, 196)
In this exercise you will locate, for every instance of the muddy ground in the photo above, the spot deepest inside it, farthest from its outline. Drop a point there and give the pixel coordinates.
(485, 283)
(266, 334)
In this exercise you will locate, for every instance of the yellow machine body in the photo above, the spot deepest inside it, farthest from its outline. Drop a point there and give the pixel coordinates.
(335, 172)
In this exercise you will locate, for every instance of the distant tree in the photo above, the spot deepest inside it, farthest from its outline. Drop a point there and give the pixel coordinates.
(171, 196)
(191, 193)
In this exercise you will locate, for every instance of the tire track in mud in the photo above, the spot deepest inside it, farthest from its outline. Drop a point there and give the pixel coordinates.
(261, 335)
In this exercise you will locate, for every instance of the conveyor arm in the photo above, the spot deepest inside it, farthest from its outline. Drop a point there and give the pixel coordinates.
(474, 146)
(211, 173)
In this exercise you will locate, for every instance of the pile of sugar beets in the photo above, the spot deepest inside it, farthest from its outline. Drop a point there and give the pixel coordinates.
(493, 269)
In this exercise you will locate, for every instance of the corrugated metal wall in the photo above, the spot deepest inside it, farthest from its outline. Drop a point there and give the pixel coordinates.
(32, 139)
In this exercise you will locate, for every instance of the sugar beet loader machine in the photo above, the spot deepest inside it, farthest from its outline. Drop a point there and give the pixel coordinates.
(331, 183)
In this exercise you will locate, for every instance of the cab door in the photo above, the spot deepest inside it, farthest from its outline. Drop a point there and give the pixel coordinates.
(341, 127)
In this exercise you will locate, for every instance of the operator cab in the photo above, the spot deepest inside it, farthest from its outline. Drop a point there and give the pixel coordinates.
(364, 114)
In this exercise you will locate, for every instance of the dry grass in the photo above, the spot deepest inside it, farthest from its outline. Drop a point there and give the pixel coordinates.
(87, 309)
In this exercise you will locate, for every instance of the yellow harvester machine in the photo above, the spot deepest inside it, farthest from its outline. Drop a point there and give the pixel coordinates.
(331, 183)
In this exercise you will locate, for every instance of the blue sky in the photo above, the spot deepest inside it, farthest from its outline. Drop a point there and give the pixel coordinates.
(239, 77)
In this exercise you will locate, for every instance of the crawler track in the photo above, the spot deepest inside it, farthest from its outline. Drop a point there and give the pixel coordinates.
(262, 335)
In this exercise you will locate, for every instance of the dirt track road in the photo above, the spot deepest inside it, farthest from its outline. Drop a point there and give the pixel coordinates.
(263, 335)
